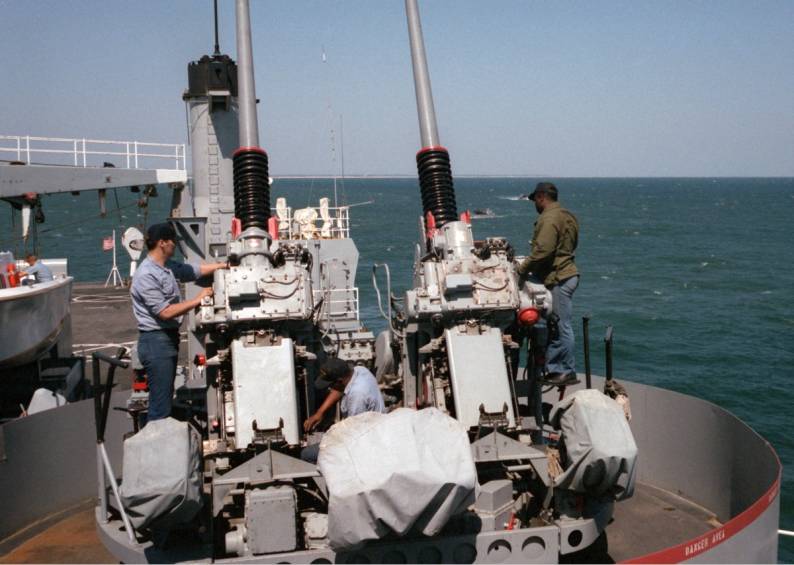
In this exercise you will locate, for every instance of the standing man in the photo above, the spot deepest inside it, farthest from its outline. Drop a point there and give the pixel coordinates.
(357, 389)
(36, 269)
(158, 307)
(552, 262)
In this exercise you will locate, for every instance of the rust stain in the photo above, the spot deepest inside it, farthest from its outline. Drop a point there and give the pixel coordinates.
(72, 540)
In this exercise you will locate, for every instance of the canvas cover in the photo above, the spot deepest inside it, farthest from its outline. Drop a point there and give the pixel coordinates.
(601, 451)
(406, 471)
(162, 474)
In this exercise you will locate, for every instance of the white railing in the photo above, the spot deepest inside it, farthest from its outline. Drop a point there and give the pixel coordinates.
(298, 225)
(93, 152)
(338, 303)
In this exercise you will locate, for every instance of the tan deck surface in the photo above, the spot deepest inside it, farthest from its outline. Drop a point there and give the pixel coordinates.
(653, 519)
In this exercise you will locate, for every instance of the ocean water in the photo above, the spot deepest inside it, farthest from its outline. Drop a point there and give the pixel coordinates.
(696, 275)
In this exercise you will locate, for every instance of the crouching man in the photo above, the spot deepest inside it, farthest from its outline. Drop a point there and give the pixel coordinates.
(356, 388)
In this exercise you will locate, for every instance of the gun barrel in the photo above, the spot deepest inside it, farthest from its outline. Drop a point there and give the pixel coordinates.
(246, 100)
(428, 128)
(432, 161)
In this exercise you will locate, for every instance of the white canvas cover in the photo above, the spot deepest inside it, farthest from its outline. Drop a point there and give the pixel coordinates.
(162, 474)
(44, 399)
(601, 452)
(325, 214)
(409, 470)
(306, 218)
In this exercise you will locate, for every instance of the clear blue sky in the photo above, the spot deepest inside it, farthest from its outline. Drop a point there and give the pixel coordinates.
(634, 88)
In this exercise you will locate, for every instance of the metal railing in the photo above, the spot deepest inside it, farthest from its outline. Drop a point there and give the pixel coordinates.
(85, 152)
(313, 226)
(338, 303)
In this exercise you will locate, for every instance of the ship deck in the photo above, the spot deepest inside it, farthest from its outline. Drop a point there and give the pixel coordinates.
(649, 521)
(653, 519)
(102, 320)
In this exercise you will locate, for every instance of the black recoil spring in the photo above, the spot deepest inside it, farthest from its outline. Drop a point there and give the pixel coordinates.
(435, 182)
(251, 188)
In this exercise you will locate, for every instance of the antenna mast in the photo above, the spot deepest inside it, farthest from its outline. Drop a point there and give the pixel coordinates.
(217, 45)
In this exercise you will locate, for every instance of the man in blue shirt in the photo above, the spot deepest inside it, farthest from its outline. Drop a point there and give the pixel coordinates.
(158, 307)
(37, 269)
(357, 389)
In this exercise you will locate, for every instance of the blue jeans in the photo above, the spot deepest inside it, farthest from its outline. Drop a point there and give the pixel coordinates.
(310, 453)
(158, 352)
(560, 357)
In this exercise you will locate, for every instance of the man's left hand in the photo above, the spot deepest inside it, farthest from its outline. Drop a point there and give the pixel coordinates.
(311, 422)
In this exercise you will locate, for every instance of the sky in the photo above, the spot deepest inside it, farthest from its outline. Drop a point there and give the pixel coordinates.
(521, 87)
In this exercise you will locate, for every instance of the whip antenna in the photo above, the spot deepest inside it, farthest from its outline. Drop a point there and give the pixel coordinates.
(217, 45)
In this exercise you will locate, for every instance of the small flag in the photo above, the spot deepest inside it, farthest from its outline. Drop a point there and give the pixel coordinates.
(108, 243)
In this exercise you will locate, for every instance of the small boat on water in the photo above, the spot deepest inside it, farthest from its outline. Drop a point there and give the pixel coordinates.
(481, 213)
(32, 319)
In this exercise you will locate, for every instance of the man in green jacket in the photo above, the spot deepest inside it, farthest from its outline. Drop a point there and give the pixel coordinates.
(552, 262)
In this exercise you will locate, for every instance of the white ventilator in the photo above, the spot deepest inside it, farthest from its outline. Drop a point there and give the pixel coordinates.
(305, 217)
(282, 212)
(325, 214)
(132, 241)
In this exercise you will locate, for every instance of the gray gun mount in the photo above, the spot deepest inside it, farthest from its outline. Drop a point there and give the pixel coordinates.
(286, 303)
(280, 309)
(455, 345)
(457, 277)
(271, 281)
(458, 320)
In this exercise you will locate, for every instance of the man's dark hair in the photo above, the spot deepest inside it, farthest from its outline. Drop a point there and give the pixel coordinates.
(331, 374)
(157, 232)
(30, 256)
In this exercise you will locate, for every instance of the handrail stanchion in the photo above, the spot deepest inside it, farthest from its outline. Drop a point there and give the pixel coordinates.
(27, 148)
(101, 410)
(135, 144)
(608, 352)
(586, 339)
(103, 494)
(19, 149)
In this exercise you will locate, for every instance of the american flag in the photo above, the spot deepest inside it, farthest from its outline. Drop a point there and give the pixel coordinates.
(107, 243)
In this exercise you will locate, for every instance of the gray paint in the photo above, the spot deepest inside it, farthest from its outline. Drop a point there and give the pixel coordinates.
(53, 455)
(428, 129)
(16, 180)
(249, 129)
(213, 140)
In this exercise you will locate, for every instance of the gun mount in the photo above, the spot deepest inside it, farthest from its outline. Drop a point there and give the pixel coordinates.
(455, 344)
(286, 302)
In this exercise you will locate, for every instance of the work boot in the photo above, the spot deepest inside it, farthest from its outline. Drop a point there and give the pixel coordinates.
(560, 379)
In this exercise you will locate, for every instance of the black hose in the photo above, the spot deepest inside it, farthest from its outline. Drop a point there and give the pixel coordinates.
(251, 188)
(435, 183)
